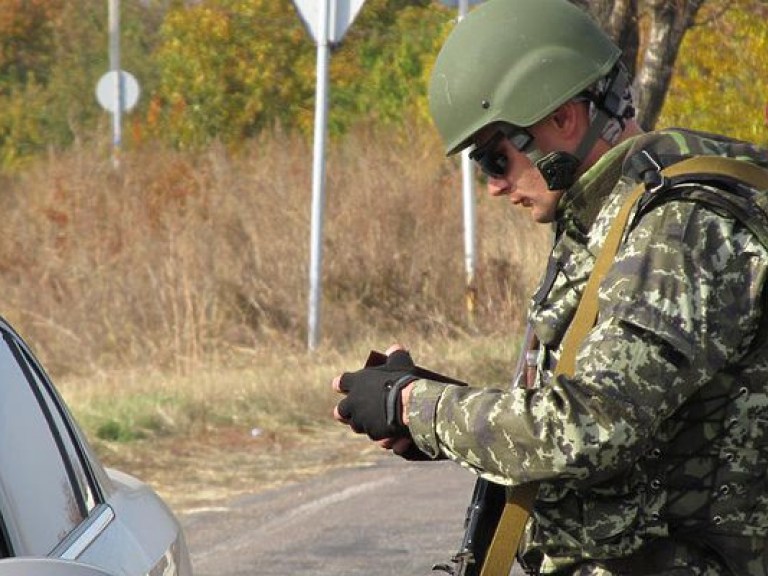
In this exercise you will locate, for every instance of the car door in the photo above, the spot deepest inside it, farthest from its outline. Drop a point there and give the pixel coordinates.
(47, 491)
(56, 499)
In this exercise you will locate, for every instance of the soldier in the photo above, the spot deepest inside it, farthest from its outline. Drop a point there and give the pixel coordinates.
(652, 455)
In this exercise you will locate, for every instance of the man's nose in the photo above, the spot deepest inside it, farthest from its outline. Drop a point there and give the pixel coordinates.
(497, 186)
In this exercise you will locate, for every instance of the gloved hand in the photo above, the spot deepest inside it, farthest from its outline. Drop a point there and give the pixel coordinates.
(373, 403)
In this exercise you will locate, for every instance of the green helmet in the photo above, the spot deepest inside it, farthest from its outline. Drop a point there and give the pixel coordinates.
(514, 61)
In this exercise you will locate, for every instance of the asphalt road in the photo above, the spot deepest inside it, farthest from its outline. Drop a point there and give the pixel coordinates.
(392, 518)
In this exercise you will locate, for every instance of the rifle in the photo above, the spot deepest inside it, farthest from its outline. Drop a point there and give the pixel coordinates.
(483, 515)
(489, 499)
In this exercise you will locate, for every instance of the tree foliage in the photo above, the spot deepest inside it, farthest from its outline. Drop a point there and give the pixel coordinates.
(228, 69)
(231, 67)
(650, 33)
(26, 39)
(721, 81)
(390, 67)
(52, 53)
(26, 56)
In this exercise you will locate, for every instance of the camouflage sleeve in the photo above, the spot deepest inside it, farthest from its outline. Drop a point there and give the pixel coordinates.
(681, 301)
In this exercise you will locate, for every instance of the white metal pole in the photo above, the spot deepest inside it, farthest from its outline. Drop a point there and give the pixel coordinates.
(318, 175)
(468, 195)
(114, 65)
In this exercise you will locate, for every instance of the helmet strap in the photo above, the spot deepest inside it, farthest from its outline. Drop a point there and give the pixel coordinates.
(560, 168)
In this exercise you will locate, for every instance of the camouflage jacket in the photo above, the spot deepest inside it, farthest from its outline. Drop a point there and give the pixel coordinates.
(660, 438)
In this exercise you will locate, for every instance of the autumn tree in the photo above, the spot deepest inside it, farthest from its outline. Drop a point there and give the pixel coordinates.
(721, 78)
(26, 54)
(26, 39)
(229, 68)
(650, 33)
(391, 51)
(52, 53)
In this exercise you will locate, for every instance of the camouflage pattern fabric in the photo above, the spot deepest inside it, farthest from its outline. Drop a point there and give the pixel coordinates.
(661, 436)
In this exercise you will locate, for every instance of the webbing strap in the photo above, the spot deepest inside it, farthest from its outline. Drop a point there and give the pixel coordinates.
(520, 499)
(586, 313)
(509, 530)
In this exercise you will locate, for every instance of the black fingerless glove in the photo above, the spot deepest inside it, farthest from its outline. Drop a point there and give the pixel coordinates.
(373, 404)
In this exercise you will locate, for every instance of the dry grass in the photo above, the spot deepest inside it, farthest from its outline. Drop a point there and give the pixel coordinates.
(170, 297)
(203, 438)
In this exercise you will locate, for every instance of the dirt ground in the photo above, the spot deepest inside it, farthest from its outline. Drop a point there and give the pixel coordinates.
(203, 471)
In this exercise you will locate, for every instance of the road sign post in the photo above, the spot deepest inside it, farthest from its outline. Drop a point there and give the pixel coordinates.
(117, 91)
(318, 178)
(468, 194)
(327, 21)
(114, 65)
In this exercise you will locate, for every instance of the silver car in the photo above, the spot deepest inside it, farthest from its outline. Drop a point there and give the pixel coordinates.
(61, 512)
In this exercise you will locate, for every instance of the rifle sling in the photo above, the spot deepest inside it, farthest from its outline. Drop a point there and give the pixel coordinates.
(520, 499)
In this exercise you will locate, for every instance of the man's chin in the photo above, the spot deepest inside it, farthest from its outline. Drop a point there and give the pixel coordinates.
(540, 218)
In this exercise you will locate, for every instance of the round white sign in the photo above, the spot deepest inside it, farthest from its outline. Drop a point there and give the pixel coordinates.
(106, 91)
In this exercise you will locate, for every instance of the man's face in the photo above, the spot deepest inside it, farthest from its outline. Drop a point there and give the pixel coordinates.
(520, 180)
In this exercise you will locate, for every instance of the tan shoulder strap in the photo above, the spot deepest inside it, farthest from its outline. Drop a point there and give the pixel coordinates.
(520, 499)
(586, 313)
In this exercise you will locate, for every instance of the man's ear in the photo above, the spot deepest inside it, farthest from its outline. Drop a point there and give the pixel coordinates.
(567, 117)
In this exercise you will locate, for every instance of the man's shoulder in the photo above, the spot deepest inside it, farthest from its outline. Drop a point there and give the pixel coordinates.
(724, 175)
(672, 145)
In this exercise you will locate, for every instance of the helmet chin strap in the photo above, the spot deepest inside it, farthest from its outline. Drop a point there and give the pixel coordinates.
(560, 168)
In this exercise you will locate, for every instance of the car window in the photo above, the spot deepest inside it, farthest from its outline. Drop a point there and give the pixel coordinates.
(70, 441)
(41, 496)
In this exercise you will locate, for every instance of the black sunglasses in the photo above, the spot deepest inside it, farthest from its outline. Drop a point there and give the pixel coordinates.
(491, 159)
